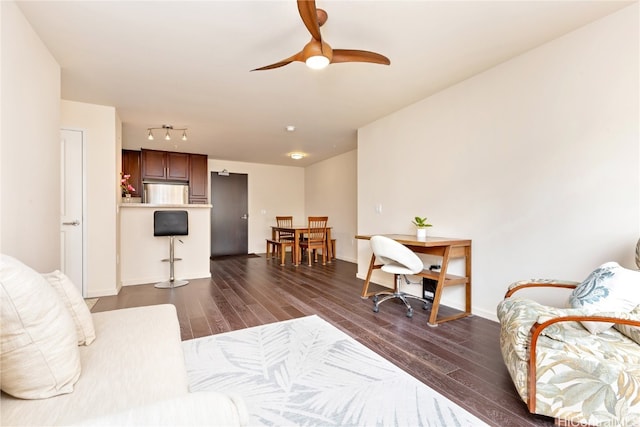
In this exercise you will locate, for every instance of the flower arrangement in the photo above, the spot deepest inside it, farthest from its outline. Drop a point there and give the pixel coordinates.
(124, 184)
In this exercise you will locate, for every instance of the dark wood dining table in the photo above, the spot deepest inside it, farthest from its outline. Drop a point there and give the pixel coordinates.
(298, 232)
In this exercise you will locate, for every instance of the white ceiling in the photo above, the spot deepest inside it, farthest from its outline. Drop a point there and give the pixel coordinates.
(186, 63)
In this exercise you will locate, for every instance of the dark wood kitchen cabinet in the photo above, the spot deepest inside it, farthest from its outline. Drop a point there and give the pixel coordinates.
(158, 166)
(131, 166)
(164, 165)
(198, 179)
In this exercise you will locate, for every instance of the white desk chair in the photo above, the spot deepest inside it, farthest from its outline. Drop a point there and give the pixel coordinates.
(398, 260)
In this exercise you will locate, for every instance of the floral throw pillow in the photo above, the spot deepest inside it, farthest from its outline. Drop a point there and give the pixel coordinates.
(609, 288)
(632, 332)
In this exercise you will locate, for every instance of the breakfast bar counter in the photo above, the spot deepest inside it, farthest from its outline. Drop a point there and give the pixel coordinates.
(141, 253)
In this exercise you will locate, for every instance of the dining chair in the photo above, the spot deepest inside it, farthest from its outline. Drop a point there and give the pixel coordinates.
(286, 238)
(285, 221)
(315, 238)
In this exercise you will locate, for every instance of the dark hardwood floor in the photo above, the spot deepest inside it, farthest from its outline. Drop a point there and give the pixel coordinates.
(460, 359)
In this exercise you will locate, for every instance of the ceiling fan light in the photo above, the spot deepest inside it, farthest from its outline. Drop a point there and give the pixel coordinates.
(317, 62)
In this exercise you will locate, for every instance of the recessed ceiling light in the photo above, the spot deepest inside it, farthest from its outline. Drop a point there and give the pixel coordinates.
(296, 156)
(290, 128)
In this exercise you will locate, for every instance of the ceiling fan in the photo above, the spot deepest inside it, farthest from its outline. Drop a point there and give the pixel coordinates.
(317, 54)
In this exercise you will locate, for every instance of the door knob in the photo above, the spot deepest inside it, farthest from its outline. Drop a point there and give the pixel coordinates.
(74, 223)
(245, 216)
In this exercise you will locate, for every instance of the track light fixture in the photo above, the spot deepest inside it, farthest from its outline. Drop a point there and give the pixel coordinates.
(167, 134)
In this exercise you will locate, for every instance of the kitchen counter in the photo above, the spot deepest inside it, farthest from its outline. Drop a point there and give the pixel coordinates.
(141, 253)
(150, 205)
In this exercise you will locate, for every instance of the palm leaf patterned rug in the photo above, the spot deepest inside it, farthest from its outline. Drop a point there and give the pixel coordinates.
(306, 372)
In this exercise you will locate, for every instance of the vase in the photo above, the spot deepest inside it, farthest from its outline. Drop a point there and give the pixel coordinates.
(421, 233)
(126, 198)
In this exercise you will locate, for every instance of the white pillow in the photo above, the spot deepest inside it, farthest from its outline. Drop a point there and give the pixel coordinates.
(75, 304)
(39, 354)
(609, 288)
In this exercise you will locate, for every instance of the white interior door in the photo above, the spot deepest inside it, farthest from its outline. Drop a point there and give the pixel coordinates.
(71, 207)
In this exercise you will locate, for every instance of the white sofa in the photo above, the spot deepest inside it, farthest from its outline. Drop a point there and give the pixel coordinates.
(133, 373)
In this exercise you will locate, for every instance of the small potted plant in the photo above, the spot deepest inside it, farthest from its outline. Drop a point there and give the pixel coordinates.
(421, 226)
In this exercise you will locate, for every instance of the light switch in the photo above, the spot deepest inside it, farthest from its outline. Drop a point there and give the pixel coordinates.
(379, 208)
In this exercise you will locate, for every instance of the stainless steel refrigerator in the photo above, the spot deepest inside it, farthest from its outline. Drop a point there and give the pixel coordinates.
(165, 193)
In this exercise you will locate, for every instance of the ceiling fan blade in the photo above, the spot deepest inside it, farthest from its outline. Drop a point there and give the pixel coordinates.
(351, 55)
(309, 15)
(296, 57)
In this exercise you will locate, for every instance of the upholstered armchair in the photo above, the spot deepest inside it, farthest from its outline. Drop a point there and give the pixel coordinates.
(579, 364)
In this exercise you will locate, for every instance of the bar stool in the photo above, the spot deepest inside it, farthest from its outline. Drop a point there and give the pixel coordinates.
(171, 224)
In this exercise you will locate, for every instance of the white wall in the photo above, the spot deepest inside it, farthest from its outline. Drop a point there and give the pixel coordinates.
(30, 146)
(100, 125)
(118, 164)
(331, 189)
(535, 160)
(272, 190)
(325, 188)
